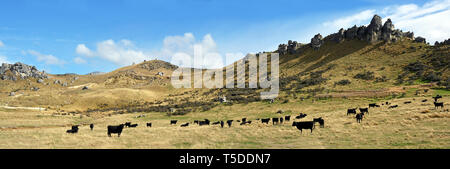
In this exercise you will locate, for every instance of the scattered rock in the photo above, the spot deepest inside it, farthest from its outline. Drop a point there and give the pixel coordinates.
(13, 71)
(40, 81)
(420, 40)
(12, 94)
(317, 41)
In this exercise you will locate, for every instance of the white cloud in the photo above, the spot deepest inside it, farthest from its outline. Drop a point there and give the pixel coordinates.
(84, 51)
(429, 20)
(187, 43)
(79, 60)
(1, 44)
(3, 59)
(120, 53)
(124, 52)
(351, 20)
(47, 59)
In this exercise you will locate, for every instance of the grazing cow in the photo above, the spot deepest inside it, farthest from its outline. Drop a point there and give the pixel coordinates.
(437, 97)
(215, 123)
(274, 120)
(320, 121)
(364, 110)
(115, 129)
(73, 130)
(407, 102)
(205, 122)
(265, 120)
(221, 124)
(373, 105)
(185, 125)
(287, 118)
(281, 120)
(436, 105)
(91, 126)
(173, 122)
(351, 111)
(244, 119)
(229, 122)
(149, 124)
(393, 106)
(425, 100)
(127, 124)
(387, 103)
(133, 125)
(304, 125)
(195, 121)
(359, 117)
(301, 116)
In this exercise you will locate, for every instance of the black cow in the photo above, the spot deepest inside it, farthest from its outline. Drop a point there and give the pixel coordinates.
(221, 124)
(115, 129)
(274, 120)
(73, 130)
(373, 105)
(244, 119)
(301, 116)
(195, 121)
(320, 121)
(393, 106)
(205, 122)
(127, 124)
(229, 122)
(149, 124)
(246, 122)
(173, 122)
(133, 125)
(351, 111)
(281, 120)
(364, 110)
(215, 123)
(359, 117)
(437, 97)
(407, 102)
(425, 100)
(91, 126)
(304, 125)
(185, 125)
(287, 118)
(265, 120)
(436, 105)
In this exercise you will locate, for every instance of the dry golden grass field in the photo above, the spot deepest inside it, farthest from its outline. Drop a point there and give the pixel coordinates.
(309, 83)
(415, 125)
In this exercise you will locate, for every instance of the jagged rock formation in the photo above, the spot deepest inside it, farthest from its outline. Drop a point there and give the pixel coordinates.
(420, 40)
(20, 70)
(445, 42)
(317, 41)
(374, 32)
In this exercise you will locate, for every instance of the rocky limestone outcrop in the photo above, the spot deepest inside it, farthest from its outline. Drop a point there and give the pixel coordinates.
(376, 31)
(445, 42)
(420, 40)
(20, 70)
(317, 41)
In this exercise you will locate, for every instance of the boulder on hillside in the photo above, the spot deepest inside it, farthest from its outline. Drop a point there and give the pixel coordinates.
(317, 41)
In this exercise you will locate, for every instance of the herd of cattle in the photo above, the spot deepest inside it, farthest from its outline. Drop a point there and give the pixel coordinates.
(363, 111)
(300, 125)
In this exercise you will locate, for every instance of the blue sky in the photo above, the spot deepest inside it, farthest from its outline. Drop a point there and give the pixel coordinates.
(82, 36)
